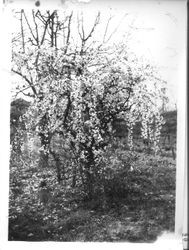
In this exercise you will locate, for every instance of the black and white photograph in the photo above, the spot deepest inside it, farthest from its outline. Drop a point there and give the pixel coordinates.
(96, 89)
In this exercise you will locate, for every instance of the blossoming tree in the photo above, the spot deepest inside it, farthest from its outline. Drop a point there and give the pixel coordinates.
(79, 91)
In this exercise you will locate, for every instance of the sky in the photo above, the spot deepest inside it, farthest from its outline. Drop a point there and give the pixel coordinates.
(157, 31)
(158, 35)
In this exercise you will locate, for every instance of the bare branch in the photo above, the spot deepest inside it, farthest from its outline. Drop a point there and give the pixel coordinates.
(106, 29)
(69, 31)
(27, 80)
(22, 91)
(114, 31)
(94, 26)
(78, 28)
(36, 27)
(41, 17)
(81, 30)
(29, 26)
(22, 30)
(82, 27)
(44, 32)
(46, 23)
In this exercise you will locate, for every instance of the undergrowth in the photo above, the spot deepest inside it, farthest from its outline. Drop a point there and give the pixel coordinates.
(138, 205)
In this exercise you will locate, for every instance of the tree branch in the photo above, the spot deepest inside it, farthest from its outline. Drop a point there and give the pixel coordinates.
(69, 31)
(27, 80)
(36, 27)
(22, 30)
(29, 26)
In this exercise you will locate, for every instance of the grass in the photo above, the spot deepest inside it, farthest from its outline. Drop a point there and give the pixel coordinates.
(140, 216)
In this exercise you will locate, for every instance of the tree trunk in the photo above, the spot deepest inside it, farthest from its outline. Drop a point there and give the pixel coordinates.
(58, 165)
(44, 154)
(73, 176)
(173, 153)
(89, 185)
(89, 175)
